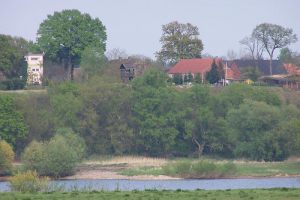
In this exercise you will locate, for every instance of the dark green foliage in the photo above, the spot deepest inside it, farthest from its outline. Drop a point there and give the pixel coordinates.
(177, 79)
(213, 75)
(65, 35)
(12, 52)
(12, 124)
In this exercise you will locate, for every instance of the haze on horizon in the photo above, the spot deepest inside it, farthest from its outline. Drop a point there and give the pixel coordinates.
(135, 25)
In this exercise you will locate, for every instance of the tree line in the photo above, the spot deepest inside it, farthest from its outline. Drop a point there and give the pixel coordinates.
(151, 117)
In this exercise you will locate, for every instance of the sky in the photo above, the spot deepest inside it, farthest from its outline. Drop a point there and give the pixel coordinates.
(135, 25)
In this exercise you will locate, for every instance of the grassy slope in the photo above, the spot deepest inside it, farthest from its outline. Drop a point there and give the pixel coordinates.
(265, 194)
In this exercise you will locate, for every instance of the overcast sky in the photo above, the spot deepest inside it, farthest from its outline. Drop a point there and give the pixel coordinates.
(135, 25)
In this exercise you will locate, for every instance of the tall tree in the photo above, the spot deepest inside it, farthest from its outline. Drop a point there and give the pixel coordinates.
(272, 37)
(64, 35)
(179, 41)
(254, 47)
(213, 75)
(12, 52)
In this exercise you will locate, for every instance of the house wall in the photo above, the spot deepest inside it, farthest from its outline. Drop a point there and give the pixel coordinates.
(34, 69)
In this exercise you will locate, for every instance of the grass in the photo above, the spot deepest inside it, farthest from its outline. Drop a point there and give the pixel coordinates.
(212, 168)
(257, 194)
(186, 169)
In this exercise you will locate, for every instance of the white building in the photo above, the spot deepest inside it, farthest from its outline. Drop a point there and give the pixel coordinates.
(34, 69)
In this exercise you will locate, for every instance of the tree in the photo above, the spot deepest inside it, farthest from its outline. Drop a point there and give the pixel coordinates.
(92, 61)
(213, 75)
(6, 157)
(179, 41)
(285, 54)
(116, 53)
(253, 46)
(64, 35)
(12, 124)
(272, 37)
(12, 52)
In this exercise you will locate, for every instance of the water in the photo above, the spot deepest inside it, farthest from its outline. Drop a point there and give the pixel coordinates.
(183, 184)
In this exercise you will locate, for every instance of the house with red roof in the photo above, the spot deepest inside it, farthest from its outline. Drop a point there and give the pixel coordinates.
(201, 66)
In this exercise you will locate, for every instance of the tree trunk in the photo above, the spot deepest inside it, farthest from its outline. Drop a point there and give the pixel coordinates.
(200, 147)
(72, 72)
(271, 67)
(69, 69)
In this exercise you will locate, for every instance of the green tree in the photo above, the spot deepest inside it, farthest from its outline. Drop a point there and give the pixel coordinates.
(12, 124)
(154, 114)
(285, 54)
(250, 72)
(92, 61)
(198, 79)
(6, 157)
(272, 37)
(213, 75)
(64, 35)
(12, 52)
(252, 124)
(179, 41)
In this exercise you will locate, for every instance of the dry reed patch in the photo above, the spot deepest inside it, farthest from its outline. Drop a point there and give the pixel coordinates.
(132, 161)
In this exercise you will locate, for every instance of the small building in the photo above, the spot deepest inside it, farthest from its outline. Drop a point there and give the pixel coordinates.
(290, 81)
(34, 69)
(127, 72)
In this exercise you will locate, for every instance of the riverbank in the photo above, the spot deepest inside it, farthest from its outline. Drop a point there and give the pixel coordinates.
(257, 194)
(142, 168)
(145, 168)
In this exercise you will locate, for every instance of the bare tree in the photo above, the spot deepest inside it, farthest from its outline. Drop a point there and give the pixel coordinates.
(253, 46)
(231, 55)
(116, 53)
(273, 37)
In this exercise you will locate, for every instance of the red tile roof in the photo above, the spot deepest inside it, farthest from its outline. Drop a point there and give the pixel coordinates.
(292, 68)
(194, 66)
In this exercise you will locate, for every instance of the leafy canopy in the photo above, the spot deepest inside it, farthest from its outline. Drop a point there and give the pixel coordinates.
(64, 35)
(179, 41)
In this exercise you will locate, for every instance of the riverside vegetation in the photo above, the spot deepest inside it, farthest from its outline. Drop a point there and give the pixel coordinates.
(153, 118)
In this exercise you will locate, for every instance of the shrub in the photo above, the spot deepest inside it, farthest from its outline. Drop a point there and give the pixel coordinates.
(34, 157)
(6, 158)
(28, 181)
(199, 169)
(55, 158)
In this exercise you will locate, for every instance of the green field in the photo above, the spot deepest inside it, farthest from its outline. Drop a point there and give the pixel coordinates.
(265, 194)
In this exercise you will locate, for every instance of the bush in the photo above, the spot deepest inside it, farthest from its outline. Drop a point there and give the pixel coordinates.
(34, 156)
(6, 158)
(56, 158)
(28, 181)
(200, 169)
(13, 84)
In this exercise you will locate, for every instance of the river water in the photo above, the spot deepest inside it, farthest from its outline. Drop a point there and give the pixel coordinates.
(183, 184)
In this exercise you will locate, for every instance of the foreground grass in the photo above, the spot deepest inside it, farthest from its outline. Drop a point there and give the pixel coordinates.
(265, 194)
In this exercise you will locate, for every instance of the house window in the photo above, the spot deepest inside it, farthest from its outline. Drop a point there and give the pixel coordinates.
(37, 70)
(33, 70)
(34, 58)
